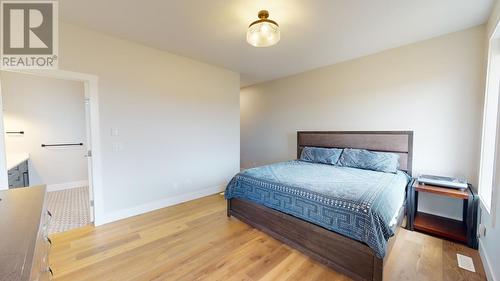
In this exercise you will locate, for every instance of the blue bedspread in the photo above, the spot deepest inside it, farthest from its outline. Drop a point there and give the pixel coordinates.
(353, 202)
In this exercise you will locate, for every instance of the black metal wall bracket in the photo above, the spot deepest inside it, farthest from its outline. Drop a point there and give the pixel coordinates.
(62, 144)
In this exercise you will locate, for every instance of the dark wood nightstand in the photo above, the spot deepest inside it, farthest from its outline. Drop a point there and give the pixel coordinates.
(460, 231)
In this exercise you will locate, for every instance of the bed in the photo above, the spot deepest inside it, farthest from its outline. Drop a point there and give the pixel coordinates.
(344, 217)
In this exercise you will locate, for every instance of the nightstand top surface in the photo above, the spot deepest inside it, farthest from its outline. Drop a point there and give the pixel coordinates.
(449, 192)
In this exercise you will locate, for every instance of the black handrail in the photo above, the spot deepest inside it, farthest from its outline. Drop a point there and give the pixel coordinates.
(10, 132)
(61, 144)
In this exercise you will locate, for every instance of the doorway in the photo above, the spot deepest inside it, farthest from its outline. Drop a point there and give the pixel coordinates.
(68, 141)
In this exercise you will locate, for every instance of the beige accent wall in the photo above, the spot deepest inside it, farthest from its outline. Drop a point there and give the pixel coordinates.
(434, 88)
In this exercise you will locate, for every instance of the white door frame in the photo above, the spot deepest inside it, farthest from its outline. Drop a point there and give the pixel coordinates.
(91, 92)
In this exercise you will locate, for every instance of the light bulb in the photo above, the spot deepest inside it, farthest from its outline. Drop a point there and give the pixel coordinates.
(263, 32)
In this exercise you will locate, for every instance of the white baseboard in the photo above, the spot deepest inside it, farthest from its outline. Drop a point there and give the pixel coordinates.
(66, 185)
(486, 263)
(148, 207)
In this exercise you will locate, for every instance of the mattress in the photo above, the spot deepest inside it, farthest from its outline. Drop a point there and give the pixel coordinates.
(356, 203)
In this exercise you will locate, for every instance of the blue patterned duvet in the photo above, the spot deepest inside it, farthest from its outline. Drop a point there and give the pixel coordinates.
(353, 202)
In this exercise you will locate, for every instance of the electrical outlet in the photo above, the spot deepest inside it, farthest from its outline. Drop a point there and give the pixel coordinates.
(481, 231)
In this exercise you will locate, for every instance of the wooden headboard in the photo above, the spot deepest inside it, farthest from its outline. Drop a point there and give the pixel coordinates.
(399, 142)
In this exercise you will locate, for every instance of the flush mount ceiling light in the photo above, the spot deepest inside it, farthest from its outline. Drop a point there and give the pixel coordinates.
(263, 32)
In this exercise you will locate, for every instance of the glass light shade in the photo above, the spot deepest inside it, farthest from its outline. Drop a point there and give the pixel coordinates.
(263, 32)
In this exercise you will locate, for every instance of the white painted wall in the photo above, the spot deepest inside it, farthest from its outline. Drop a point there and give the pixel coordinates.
(434, 88)
(48, 111)
(4, 180)
(489, 245)
(177, 121)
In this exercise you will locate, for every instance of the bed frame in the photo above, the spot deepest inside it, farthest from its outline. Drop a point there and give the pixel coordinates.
(343, 254)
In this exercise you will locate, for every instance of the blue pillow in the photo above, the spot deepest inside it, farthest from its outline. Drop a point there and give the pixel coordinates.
(321, 155)
(369, 160)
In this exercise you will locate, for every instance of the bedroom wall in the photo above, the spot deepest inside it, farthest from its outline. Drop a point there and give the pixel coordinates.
(169, 125)
(434, 88)
(48, 111)
(489, 245)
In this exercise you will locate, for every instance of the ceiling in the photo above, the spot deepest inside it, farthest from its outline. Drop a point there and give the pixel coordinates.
(314, 33)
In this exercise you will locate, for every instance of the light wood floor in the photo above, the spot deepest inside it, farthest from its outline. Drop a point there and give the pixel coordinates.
(196, 241)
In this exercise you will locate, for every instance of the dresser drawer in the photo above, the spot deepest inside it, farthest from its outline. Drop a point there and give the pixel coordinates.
(43, 276)
(24, 211)
(45, 221)
(40, 269)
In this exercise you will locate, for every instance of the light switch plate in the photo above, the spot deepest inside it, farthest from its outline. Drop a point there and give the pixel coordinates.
(465, 262)
(117, 146)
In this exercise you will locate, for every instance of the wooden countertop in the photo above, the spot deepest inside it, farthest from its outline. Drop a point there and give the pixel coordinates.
(20, 215)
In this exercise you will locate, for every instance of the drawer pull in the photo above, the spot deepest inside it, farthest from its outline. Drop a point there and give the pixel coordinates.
(48, 240)
(49, 270)
(47, 221)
